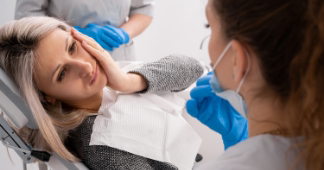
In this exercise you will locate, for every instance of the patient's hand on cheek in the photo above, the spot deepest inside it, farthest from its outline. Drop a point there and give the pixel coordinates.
(117, 79)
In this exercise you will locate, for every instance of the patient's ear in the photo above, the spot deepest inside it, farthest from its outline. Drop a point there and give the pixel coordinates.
(49, 99)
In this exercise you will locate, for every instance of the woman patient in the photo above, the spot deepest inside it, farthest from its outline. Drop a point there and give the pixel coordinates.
(62, 73)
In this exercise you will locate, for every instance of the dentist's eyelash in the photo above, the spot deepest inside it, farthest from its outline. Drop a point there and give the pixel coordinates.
(207, 25)
(61, 75)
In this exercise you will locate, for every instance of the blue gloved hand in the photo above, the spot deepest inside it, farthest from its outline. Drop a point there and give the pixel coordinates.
(216, 113)
(123, 35)
(107, 38)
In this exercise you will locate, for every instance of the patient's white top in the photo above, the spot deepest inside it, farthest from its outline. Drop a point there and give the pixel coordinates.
(266, 152)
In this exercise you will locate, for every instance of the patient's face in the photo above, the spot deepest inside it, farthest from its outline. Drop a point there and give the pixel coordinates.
(66, 71)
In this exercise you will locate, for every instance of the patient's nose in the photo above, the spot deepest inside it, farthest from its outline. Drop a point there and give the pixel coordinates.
(84, 68)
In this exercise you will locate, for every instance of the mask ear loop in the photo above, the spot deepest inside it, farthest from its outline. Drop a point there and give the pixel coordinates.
(222, 55)
(203, 41)
(247, 71)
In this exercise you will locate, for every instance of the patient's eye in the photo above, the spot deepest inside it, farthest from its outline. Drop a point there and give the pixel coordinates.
(207, 25)
(72, 48)
(61, 75)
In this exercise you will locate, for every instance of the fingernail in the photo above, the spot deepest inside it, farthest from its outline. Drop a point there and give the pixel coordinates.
(84, 42)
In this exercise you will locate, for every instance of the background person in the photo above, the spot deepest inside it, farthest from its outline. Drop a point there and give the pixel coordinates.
(112, 23)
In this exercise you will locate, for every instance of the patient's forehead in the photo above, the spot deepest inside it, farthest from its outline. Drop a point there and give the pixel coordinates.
(49, 52)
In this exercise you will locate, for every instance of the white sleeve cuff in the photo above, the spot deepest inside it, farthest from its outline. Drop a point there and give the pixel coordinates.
(145, 9)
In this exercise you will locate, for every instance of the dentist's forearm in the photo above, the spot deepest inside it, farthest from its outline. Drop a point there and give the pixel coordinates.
(136, 24)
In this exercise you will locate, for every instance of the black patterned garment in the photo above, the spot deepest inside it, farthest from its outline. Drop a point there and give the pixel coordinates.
(172, 73)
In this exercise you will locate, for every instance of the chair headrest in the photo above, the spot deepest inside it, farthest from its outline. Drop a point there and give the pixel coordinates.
(13, 105)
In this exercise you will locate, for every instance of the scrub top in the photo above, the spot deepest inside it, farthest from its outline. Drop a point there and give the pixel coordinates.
(81, 12)
(266, 152)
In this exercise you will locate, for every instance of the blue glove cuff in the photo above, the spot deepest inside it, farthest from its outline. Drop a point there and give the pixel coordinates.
(126, 36)
(238, 133)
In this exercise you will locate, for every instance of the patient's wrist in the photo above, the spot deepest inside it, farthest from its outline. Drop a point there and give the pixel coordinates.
(136, 83)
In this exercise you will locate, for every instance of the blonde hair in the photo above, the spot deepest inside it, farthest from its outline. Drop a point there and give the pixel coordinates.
(18, 42)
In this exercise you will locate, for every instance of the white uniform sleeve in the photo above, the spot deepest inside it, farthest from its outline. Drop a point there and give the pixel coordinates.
(25, 8)
(145, 7)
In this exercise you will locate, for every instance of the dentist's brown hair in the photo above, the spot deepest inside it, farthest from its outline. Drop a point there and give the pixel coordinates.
(288, 38)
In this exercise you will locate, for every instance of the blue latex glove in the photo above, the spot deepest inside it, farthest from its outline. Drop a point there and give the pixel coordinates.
(107, 38)
(123, 35)
(216, 113)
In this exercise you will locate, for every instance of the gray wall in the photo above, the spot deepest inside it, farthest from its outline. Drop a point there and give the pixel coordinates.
(177, 28)
(7, 8)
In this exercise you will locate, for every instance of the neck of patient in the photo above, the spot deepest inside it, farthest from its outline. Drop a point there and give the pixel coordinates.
(91, 104)
(264, 115)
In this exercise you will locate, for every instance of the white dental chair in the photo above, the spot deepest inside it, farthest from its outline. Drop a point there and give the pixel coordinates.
(18, 112)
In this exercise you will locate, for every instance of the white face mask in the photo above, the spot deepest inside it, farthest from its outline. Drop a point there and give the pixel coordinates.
(233, 97)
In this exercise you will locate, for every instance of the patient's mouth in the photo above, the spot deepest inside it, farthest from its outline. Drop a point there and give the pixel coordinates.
(94, 78)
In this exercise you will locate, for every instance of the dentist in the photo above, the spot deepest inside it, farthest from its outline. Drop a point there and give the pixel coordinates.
(269, 53)
(112, 23)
